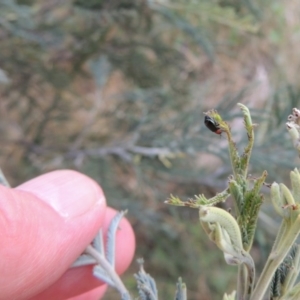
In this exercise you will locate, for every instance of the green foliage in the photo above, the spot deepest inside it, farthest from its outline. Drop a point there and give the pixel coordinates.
(199, 200)
(283, 274)
(234, 235)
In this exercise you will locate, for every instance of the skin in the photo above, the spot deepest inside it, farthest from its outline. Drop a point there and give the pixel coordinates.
(46, 223)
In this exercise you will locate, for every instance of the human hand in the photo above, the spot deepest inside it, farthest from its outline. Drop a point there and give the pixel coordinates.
(46, 223)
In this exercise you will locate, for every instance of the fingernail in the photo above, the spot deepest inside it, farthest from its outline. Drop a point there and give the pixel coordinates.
(70, 193)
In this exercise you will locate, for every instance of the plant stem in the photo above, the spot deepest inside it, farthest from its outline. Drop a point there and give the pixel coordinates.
(3, 179)
(241, 284)
(109, 269)
(250, 132)
(275, 258)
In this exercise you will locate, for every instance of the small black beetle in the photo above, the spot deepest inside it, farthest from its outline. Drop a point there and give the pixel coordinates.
(212, 125)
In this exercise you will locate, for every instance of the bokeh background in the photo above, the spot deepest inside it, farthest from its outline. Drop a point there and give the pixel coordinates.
(117, 89)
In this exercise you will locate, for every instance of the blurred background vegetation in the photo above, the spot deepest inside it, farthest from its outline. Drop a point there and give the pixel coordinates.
(117, 89)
